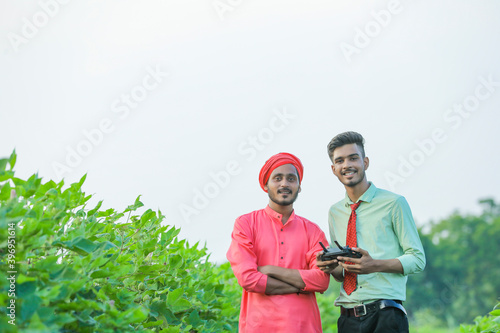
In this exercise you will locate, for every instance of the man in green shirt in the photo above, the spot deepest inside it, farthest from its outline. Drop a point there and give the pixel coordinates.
(379, 225)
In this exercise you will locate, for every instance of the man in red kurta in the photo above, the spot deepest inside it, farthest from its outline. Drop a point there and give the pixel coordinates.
(273, 256)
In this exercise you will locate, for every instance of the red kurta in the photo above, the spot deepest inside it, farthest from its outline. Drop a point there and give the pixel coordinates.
(258, 239)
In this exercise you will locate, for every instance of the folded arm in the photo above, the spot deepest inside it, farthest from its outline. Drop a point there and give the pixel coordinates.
(315, 279)
(289, 276)
(311, 279)
(278, 287)
(243, 261)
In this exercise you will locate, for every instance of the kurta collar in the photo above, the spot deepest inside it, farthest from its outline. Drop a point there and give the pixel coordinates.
(277, 216)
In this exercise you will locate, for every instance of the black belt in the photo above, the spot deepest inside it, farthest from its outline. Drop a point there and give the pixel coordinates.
(364, 309)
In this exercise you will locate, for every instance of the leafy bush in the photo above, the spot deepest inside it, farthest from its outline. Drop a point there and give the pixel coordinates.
(233, 291)
(85, 270)
(326, 303)
(485, 324)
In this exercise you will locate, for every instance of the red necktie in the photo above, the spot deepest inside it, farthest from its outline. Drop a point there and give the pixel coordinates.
(351, 241)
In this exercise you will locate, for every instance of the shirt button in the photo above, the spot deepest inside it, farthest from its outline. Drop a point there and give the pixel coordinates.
(281, 242)
(281, 257)
(281, 229)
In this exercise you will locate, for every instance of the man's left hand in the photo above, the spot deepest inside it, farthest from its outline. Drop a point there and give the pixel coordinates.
(364, 265)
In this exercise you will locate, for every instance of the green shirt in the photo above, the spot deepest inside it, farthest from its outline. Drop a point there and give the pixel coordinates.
(386, 229)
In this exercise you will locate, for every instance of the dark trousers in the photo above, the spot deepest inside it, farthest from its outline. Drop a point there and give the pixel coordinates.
(387, 320)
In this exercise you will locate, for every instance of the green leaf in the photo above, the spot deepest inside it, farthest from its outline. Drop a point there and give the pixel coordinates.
(495, 312)
(85, 319)
(175, 301)
(3, 163)
(148, 269)
(21, 278)
(175, 261)
(93, 211)
(160, 307)
(5, 192)
(172, 233)
(75, 187)
(25, 289)
(152, 323)
(171, 329)
(147, 216)
(48, 264)
(106, 213)
(194, 318)
(29, 305)
(100, 273)
(80, 245)
(36, 325)
(12, 160)
(98, 261)
(136, 205)
(52, 193)
(4, 175)
(49, 317)
(65, 274)
(136, 315)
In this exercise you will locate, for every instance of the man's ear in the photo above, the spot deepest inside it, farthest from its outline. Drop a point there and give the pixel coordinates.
(266, 188)
(333, 170)
(367, 162)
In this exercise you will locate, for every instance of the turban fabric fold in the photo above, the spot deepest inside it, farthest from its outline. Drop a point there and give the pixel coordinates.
(277, 161)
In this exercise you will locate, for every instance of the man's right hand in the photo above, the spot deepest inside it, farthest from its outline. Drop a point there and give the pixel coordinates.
(326, 266)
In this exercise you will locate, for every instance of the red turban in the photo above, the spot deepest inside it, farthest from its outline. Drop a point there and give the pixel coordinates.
(277, 161)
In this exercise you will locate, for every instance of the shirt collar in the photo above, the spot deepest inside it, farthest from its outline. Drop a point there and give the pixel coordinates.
(365, 197)
(277, 216)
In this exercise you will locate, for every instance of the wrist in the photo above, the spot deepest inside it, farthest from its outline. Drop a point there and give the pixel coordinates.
(338, 273)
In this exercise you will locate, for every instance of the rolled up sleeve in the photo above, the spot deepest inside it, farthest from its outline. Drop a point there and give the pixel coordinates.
(315, 279)
(243, 259)
(413, 257)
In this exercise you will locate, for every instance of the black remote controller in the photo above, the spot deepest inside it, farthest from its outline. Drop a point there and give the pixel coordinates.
(331, 254)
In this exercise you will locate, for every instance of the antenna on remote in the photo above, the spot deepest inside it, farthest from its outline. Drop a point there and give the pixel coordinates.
(324, 248)
(340, 247)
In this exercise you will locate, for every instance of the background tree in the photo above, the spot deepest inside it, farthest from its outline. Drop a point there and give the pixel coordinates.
(461, 279)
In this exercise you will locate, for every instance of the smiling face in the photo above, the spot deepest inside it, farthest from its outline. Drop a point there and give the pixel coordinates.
(349, 165)
(283, 185)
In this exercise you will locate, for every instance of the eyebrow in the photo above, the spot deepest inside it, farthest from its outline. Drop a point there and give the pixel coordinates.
(287, 175)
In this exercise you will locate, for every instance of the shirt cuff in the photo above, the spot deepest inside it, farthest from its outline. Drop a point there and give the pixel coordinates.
(304, 278)
(407, 263)
(314, 281)
(261, 285)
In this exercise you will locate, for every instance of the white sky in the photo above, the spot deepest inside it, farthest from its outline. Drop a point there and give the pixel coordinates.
(65, 70)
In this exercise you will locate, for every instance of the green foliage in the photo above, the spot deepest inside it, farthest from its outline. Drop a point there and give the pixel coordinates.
(485, 324)
(460, 280)
(326, 303)
(233, 291)
(87, 270)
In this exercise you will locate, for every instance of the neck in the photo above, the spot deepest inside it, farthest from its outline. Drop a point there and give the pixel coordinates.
(355, 192)
(285, 211)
